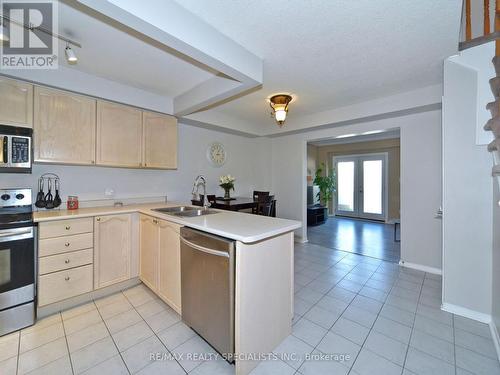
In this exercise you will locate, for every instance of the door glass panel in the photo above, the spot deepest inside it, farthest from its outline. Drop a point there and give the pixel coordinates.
(372, 186)
(345, 189)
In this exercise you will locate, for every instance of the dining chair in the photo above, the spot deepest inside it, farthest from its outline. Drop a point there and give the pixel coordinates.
(256, 196)
(265, 205)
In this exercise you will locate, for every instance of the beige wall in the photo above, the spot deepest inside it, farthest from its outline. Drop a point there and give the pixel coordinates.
(325, 155)
(312, 163)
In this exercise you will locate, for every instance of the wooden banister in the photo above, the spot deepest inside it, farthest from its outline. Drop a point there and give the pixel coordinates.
(497, 27)
(468, 27)
(486, 15)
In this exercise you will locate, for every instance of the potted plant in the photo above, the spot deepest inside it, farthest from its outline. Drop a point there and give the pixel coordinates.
(227, 183)
(326, 184)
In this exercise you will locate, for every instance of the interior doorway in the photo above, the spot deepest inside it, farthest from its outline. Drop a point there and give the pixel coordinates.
(363, 216)
(361, 186)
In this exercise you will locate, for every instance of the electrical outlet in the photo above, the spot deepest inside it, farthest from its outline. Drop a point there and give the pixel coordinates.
(109, 192)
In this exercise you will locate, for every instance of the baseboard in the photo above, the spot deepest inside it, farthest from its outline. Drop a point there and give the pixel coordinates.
(299, 239)
(466, 313)
(495, 336)
(420, 267)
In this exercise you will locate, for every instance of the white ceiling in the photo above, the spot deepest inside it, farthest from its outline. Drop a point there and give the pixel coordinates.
(112, 53)
(334, 53)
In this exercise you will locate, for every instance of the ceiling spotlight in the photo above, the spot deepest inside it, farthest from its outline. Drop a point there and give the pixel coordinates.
(279, 104)
(70, 55)
(4, 37)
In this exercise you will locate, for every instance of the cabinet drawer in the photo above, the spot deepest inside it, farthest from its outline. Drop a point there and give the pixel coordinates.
(60, 285)
(61, 262)
(58, 245)
(66, 227)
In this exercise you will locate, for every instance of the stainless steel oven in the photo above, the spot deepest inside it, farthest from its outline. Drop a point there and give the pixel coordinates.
(15, 149)
(17, 260)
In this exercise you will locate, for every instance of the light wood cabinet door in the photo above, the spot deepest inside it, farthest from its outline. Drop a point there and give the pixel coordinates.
(149, 252)
(160, 140)
(169, 286)
(64, 129)
(112, 249)
(119, 135)
(16, 103)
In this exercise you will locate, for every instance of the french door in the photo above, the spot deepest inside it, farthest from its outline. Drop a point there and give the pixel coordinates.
(361, 186)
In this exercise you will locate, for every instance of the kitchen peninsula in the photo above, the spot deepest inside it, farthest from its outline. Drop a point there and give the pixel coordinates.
(98, 250)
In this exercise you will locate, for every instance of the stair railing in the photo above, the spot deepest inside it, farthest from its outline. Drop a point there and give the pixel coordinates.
(477, 13)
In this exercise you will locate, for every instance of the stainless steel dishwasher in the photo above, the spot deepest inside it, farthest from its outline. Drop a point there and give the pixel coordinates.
(207, 285)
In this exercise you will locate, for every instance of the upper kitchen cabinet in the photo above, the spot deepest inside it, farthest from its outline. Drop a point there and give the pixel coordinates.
(65, 127)
(119, 135)
(16, 103)
(160, 141)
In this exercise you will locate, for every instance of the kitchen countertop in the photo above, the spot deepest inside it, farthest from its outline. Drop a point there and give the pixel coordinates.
(238, 226)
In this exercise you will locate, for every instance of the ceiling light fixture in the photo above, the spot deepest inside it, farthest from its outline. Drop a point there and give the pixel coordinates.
(70, 55)
(279, 105)
(3, 32)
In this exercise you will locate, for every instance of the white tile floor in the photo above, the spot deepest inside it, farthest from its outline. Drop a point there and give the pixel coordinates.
(370, 316)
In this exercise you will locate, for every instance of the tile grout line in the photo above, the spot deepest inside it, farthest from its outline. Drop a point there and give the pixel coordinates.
(371, 328)
(413, 325)
(18, 351)
(111, 336)
(154, 334)
(67, 345)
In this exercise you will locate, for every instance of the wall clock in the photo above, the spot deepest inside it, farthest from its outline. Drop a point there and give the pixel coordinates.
(216, 154)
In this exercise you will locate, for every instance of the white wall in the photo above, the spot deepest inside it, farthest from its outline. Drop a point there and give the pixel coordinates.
(248, 160)
(495, 291)
(467, 198)
(420, 184)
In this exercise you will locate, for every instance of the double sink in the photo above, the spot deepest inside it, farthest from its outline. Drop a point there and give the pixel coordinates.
(185, 211)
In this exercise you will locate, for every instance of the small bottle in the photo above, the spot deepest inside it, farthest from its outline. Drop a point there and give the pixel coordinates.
(72, 203)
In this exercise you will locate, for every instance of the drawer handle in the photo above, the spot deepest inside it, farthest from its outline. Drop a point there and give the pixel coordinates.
(68, 227)
(66, 261)
(98, 219)
(66, 278)
(66, 244)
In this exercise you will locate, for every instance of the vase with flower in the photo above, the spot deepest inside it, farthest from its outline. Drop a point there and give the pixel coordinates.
(227, 183)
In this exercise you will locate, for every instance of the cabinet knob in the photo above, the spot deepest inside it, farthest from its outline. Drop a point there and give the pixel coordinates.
(98, 219)
(66, 261)
(67, 244)
(66, 278)
(68, 227)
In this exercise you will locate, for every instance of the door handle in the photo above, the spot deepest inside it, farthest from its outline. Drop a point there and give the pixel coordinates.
(205, 249)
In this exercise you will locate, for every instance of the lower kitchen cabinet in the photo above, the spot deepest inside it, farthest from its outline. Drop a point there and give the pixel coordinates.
(160, 266)
(112, 249)
(149, 252)
(169, 284)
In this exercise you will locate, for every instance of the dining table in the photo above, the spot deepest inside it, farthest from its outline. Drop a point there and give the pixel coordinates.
(235, 204)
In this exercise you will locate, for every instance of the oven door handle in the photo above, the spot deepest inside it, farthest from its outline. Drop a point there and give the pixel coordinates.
(16, 234)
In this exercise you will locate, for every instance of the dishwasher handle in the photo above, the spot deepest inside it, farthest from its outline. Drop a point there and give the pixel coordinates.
(204, 249)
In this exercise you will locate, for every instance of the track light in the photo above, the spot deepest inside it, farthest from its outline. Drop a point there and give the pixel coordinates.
(70, 55)
(3, 32)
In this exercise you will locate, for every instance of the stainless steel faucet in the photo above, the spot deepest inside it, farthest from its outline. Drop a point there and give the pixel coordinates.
(200, 180)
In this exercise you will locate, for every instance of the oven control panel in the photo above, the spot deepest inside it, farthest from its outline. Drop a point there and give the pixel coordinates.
(15, 197)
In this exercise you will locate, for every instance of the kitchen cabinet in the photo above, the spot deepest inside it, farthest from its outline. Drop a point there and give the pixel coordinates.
(119, 135)
(65, 259)
(16, 103)
(169, 283)
(64, 127)
(149, 252)
(112, 249)
(160, 259)
(159, 141)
